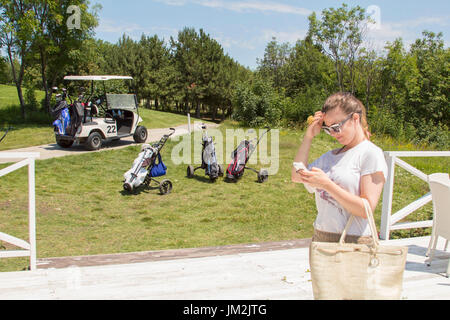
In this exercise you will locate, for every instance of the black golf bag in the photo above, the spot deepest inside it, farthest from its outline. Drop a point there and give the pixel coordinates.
(209, 159)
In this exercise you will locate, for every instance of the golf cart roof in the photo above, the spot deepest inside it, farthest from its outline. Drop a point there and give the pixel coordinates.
(97, 78)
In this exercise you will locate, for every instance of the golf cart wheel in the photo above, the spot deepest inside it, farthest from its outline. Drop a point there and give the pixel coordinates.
(94, 142)
(140, 135)
(220, 170)
(64, 143)
(263, 176)
(165, 187)
(190, 171)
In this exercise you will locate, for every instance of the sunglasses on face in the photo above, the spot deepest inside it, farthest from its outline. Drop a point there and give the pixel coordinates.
(336, 128)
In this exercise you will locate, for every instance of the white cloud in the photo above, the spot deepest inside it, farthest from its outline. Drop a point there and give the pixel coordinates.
(243, 6)
(408, 30)
(110, 26)
(284, 36)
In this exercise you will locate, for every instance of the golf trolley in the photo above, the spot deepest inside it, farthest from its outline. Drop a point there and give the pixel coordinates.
(148, 166)
(209, 159)
(241, 156)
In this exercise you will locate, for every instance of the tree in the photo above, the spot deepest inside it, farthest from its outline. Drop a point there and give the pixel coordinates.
(17, 25)
(431, 100)
(272, 65)
(158, 74)
(369, 68)
(341, 33)
(55, 44)
(308, 67)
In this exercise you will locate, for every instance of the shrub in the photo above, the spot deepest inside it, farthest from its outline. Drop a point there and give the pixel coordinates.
(30, 99)
(257, 104)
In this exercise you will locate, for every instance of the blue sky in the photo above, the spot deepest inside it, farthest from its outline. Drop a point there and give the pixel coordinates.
(244, 28)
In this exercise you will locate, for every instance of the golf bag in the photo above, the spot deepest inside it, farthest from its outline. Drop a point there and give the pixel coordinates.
(61, 115)
(240, 158)
(147, 166)
(209, 159)
(135, 177)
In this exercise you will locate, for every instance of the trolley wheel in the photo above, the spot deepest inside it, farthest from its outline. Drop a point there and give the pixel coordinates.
(190, 171)
(165, 187)
(220, 170)
(127, 187)
(263, 176)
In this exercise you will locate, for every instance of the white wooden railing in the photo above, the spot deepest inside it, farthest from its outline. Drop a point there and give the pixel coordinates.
(29, 248)
(390, 221)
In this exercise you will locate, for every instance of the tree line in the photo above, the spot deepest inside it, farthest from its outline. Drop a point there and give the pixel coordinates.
(405, 90)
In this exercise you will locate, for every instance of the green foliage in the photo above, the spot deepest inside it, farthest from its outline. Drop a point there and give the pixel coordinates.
(340, 32)
(305, 104)
(406, 92)
(257, 104)
(30, 99)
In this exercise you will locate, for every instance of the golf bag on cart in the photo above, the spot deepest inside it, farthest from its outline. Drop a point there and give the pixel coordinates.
(147, 166)
(209, 159)
(61, 113)
(240, 157)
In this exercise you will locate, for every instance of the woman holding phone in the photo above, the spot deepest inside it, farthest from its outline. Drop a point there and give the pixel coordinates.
(344, 176)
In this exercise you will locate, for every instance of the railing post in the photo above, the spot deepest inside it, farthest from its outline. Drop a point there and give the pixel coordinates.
(32, 212)
(29, 248)
(189, 123)
(387, 198)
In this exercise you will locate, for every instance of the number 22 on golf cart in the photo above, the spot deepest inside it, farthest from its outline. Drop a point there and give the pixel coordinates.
(111, 129)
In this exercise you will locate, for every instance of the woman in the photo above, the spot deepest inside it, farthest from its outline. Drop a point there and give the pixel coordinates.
(344, 176)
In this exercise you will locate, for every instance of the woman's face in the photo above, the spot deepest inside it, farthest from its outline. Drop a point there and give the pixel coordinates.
(348, 130)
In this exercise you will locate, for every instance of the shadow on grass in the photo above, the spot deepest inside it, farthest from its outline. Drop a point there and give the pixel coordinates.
(142, 189)
(12, 116)
(203, 179)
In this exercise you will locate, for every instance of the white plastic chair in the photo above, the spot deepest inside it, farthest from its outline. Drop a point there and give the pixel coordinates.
(440, 190)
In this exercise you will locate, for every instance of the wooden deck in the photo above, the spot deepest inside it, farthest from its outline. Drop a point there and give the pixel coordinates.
(272, 271)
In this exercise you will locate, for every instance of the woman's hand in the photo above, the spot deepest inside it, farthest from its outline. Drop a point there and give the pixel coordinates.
(316, 125)
(316, 178)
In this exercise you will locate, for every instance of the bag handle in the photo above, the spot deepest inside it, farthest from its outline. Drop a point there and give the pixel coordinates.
(371, 221)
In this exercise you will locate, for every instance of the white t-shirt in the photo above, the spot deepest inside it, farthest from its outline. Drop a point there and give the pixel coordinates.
(346, 169)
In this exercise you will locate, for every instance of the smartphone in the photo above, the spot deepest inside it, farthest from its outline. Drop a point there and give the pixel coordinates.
(301, 166)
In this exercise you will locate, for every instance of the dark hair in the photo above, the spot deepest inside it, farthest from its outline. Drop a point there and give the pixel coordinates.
(349, 104)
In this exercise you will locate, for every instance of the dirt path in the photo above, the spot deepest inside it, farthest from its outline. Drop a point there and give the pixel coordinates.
(49, 151)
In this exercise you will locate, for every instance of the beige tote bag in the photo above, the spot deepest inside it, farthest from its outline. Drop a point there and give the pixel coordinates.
(344, 271)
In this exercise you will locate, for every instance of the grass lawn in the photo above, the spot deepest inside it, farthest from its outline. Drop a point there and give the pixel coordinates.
(82, 210)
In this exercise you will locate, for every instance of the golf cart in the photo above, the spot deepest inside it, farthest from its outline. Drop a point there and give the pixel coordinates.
(96, 118)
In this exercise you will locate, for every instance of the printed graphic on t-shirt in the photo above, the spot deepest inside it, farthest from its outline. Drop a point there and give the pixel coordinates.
(328, 198)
